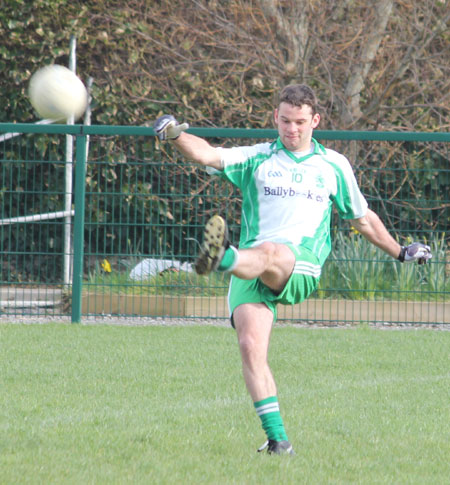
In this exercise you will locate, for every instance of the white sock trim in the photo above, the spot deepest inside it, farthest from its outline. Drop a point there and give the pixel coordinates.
(271, 407)
(236, 259)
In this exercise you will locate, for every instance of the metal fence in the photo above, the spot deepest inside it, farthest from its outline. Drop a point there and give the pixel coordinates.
(138, 210)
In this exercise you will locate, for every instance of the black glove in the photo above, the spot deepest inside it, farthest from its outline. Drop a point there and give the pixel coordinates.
(415, 252)
(167, 128)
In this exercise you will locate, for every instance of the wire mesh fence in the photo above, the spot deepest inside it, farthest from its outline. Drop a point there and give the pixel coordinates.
(144, 209)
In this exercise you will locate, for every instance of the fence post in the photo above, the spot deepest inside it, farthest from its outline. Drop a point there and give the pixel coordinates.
(78, 233)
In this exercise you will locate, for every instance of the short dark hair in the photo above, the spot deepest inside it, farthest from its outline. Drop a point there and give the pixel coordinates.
(298, 95)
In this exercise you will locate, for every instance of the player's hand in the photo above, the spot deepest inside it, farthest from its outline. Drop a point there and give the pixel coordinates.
(415, 252)
(167, 128)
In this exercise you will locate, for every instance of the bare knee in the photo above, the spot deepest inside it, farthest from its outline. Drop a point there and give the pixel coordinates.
(279, 264)
(253, 323)
(268, 253)
(268, 248)
(247, 345)
(254, 356)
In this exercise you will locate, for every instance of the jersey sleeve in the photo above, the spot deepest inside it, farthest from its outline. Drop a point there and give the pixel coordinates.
(239, 163)
(348, 199)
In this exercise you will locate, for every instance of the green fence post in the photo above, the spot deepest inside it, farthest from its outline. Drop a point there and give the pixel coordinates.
(78, 232)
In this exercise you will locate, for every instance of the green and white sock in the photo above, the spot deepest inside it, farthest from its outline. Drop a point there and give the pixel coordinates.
(229, 260)
(269, 412)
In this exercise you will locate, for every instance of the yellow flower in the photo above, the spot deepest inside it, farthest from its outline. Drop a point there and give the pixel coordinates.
(353, 230)
(106, 266)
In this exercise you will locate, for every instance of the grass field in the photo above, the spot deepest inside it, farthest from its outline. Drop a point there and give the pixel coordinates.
(105, 404)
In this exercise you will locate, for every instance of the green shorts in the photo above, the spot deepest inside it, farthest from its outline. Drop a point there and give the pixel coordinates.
(302, 282)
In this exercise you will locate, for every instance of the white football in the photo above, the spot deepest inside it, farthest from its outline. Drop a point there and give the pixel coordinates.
(57, 93)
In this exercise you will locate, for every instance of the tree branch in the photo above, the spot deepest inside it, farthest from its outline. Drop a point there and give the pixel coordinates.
(351, 110)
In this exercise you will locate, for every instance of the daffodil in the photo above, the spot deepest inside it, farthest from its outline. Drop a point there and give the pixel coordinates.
(106, 266)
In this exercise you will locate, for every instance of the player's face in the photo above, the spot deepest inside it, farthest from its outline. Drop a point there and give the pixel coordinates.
(295, 126)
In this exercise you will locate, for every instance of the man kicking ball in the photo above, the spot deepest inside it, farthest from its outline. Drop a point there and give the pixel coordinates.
(288, 188)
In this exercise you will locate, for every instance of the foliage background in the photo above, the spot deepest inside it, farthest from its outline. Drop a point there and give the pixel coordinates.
(374, 65)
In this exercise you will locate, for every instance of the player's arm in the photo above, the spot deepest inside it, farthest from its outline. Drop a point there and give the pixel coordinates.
(371, 227)
(192, 147)
(198, 150)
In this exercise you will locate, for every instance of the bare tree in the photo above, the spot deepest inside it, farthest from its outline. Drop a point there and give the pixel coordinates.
(371, 39)
(374, 65)
(293, 32)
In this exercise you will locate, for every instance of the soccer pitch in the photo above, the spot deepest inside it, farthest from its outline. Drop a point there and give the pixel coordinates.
(167, 404)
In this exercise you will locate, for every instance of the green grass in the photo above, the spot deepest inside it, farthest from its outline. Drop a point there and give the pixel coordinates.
(114, 404)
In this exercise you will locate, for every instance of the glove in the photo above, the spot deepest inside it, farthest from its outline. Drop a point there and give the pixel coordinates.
(415, 252)
(167, 128)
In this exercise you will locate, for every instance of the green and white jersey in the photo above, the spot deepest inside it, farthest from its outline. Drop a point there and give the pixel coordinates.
(288, 199)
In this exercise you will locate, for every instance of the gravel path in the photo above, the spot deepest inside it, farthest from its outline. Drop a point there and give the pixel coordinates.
(174, 322)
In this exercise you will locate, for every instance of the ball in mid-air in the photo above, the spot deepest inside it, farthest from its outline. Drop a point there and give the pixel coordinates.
(57, 93)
